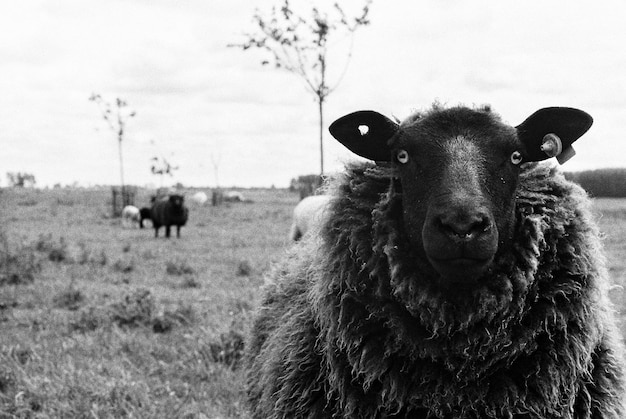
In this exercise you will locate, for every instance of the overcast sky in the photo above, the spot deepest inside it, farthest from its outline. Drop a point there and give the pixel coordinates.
(199, 102)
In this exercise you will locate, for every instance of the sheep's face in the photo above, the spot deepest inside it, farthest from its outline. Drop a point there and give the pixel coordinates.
(457, 170)
(177, 202)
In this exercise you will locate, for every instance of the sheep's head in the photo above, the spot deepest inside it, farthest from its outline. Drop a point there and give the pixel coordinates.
(457, 170)
(177, 202)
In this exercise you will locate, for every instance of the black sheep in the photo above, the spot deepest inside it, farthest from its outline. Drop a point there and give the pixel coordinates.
(169, 212)
(453, 278)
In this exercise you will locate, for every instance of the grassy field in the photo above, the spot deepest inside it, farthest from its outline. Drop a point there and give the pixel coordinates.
(98, 321)
(101, 321)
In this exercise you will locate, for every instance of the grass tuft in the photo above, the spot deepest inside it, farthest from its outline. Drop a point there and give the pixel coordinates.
(179, 267)
(69, 299)
(228, 348)
(17, 266)
(183, 315)
(124, 265)
(244, 268)
(56, 251)
(190, 282)
(89, 319)
(133, 309)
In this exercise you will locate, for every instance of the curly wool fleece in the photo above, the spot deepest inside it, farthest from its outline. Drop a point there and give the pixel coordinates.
(353, 327)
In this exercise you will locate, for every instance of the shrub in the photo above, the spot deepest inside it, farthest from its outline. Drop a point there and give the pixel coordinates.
(17, 266)
(134, 309)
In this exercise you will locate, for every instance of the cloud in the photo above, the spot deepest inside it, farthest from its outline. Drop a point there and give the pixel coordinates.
(196, 97)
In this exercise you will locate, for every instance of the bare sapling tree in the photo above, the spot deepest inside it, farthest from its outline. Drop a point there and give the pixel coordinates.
(162, 167)
(215, 162)
(116, 121)
(300, 45)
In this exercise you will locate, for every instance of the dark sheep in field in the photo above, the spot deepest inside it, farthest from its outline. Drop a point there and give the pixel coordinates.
(456, 277)
(169, 212)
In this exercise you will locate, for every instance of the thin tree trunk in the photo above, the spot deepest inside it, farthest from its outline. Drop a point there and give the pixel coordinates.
(119, 142)
(321, 109)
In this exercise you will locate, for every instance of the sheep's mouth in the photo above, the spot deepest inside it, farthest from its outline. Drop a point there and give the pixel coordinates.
(461, 269)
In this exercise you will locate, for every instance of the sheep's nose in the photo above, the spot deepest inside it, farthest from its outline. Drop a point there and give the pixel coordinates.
(464, 227)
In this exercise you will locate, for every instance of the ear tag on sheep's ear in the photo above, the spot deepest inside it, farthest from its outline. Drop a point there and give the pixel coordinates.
(553, 147)
(567, 154)
(550, 132)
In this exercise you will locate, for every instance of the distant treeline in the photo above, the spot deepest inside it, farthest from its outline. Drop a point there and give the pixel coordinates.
(608, 183)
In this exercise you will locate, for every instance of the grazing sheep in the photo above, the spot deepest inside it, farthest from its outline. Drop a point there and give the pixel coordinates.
(169, 212)
(200, 198)
(449, 280)
(233, 196)
(130, 216)
(308, 215)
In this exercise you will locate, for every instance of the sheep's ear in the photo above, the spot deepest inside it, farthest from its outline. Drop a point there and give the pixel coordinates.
(565, 124)
(365, 133)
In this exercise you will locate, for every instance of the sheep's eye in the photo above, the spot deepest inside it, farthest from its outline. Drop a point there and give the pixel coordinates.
(402, 156)
(516, 157)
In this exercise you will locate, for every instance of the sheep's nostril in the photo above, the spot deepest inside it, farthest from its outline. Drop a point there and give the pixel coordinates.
(464, 229)
(484, 226)
(465, 235)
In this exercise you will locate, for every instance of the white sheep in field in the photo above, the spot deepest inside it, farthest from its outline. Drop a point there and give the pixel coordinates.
(131, 216)
(308, 215)
(199, 198)
(233, 196)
